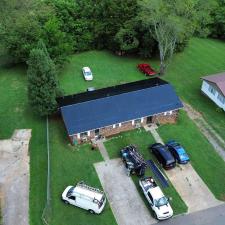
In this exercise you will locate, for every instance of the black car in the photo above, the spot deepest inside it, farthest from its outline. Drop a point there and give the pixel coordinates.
(163, 155)
(133, 160)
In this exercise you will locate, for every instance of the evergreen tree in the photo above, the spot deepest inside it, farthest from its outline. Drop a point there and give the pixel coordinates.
(43, 86)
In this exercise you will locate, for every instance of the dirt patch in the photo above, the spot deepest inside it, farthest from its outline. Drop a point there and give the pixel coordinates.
(14, 178)
(213, 137)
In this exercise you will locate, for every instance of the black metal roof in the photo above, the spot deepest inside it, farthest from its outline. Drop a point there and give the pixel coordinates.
(109, 91)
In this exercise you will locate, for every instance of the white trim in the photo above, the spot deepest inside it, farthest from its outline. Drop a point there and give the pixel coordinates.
(114, 126)
(120, 124)
(88, 133)
(132, 122)
(78, 135)
(142, 119)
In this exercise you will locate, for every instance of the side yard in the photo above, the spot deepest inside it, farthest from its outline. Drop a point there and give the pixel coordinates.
(68, 166)
(142, 140)
(202, 57)
(208, 164)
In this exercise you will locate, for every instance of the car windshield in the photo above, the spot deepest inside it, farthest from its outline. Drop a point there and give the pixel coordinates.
(180, 150)
(88, 73)
(161, 201)
(70, 192)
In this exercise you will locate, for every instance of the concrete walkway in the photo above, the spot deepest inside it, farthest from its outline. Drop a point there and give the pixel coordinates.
(125, 201)
(102, 150)
(14, 178)
(213, 137)
(189, 184)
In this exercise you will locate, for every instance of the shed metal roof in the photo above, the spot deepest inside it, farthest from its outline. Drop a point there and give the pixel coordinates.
(218, 79)
(136, 103)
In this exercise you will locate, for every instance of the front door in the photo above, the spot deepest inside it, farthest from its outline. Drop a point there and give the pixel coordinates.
(149, 120)
(97, 132)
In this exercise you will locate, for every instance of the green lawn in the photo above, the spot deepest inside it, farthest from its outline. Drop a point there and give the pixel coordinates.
(107, 69)
(142, 140)
(201, 57)
(16, 114)
(70, 165)
(66, 162)
(204, 159)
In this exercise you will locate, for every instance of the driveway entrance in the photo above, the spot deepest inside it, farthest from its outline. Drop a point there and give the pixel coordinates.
(191, 188)
(125, 201)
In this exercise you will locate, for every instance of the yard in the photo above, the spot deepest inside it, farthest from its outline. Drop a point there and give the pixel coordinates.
(204, 159)
(142, 140)
(203, 56)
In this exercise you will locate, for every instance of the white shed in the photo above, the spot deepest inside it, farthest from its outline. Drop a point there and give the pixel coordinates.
(214, 87)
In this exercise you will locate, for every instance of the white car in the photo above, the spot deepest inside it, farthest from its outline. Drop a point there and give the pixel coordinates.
(158, 202)
(87, 73)
(85, 197)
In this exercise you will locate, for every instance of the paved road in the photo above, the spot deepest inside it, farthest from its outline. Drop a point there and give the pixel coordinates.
(212, 216)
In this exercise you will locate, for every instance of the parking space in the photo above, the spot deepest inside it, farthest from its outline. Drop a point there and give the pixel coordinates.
(124, 199)
(191, 188)
(189, 184)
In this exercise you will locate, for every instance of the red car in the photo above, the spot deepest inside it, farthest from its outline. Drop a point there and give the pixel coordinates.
(146, 69)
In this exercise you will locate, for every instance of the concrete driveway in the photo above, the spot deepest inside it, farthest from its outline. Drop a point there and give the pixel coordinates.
(189, 184)
(14, 178)
(125, 201)
(191, 188)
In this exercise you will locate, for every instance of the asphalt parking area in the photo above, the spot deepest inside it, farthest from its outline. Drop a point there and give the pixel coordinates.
(125, 201)
(191, 188)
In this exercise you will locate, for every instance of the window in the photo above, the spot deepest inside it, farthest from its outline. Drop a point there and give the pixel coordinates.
(137, 121)
(83, 135)
(116, 125)
(150, 197)
(212, 90)
(72, 198)
(221, 98)
(168, 113)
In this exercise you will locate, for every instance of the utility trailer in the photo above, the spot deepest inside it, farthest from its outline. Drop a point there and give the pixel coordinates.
(133, 160)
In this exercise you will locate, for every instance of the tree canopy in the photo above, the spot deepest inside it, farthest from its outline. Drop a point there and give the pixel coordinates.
(68, 26)
(42, 81)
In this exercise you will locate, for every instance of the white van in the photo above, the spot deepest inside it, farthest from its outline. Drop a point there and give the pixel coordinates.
(85, 197)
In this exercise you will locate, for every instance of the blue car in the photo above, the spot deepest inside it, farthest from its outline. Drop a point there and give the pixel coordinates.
(178, 152)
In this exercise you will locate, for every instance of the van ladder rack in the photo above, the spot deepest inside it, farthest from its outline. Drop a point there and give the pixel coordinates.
(83, 185)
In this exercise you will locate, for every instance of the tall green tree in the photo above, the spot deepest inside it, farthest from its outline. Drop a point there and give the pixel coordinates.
(173, 22)
(23, 23)
(43, 86)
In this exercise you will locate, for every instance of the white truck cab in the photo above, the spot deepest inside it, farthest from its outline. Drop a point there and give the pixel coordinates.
(158, 202)
(85, 197)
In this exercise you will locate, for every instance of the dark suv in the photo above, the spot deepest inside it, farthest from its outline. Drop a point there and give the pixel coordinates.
(163, 155)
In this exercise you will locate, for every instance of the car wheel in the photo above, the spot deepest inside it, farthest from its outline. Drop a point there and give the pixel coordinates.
(66, 202)
(154, 215)
(91, 211)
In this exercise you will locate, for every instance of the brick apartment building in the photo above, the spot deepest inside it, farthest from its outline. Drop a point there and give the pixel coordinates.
(111, 110)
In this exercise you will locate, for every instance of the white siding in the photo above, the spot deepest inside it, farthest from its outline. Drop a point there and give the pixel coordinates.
(214, 97)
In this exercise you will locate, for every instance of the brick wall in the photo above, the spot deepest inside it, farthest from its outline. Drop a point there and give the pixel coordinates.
(110, 131)
(163, 119)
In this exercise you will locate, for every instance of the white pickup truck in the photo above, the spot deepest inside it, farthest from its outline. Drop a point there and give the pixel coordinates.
(158, 202)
